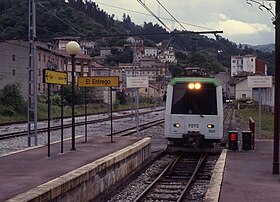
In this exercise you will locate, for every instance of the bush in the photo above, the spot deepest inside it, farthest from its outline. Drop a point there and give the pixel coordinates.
(56, 99)
(11, 96)
(78, 95)
(7, 111)
(116, 104)
(122, 97)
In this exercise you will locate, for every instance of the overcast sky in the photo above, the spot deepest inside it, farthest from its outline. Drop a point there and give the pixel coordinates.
(239, 21)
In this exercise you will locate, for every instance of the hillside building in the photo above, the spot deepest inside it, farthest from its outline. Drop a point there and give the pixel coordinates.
(14, 64)
(135, 40)
(167, 56)
(247, 63)
(151, 51)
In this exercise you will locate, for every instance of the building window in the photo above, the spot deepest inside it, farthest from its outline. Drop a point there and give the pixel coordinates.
(14, 72)
(39, 57)
(13, 57)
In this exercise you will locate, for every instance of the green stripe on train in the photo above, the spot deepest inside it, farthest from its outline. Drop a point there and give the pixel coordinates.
(194, 79)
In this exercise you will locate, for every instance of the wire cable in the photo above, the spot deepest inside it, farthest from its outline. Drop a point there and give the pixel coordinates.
(151, 12)
(133, 11)
(65, 22)
(171, 15)
(13, 7)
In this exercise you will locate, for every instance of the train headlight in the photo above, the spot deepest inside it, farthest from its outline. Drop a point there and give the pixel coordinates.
(191, 86)
(210, 126)
(196, 86)
(177, 125)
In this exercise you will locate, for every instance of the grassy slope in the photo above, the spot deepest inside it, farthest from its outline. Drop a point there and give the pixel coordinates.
(267, 120)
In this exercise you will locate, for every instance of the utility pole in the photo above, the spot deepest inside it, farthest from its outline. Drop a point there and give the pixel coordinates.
(32, 76)
(275, 169)
(264, 5)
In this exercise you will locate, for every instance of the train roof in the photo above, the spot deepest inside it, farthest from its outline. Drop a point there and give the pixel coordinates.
(195, 79)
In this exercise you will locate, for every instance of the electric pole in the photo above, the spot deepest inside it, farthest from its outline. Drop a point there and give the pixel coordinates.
(32, 76)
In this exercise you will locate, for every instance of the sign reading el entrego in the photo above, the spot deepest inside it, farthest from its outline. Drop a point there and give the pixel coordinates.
(98, 81)
(260, 81)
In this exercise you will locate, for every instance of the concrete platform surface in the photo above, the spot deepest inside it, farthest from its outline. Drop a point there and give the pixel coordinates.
(25, 170)
(248, 175)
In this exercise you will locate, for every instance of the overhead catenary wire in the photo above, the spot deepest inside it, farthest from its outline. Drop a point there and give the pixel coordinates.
(146, 7)
(13, 7)
(169, 41)
(171, 15)
(152, 13)
(64, 21)
(21, 20)
(117, 35)
(137, 12)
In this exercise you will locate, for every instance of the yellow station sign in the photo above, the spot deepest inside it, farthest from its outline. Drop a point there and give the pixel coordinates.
(98, 81)
(55, 77)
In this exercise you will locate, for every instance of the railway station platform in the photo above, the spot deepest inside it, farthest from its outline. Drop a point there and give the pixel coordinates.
(31, 175)
(245, 176)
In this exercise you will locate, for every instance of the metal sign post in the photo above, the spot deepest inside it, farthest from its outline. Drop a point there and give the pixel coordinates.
(137, 110)
(111, 113)
(54, 77)
(49, 117)
(61, 119)
(101, 81)
(85, 114)
(260, 113)
(137, 82)
(260, 82)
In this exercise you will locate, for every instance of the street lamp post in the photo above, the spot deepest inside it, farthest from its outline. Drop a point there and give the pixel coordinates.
(73, 48)
(276, 22)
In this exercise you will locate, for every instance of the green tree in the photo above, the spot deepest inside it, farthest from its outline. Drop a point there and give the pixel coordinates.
(122, 97)
(78, 95)
(11, 96)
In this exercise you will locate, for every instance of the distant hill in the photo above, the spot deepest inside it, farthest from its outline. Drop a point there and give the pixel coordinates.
(84, 19)
(267, 48)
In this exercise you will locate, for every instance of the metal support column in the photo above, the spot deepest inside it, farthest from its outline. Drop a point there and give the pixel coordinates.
(32, 76)
(275, 169)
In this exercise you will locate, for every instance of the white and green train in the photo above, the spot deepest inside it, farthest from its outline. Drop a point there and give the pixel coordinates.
(194, 112)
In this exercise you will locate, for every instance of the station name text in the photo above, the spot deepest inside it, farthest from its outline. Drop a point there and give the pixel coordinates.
(98, 81)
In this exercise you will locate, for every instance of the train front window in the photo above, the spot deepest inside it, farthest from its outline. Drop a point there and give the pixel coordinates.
(201, 101)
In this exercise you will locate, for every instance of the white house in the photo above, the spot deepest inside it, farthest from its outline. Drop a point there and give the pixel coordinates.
(151, 51)
(247, 63)
(105, 51)
(167, 56)
(135, 40)
(242, 90)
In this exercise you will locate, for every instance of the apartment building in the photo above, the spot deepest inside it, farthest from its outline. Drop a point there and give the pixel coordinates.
(247, 63)
(14, 64)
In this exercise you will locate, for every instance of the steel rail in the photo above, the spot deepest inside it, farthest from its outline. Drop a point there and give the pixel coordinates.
(199, 163)
(168, 169)
(58, 127)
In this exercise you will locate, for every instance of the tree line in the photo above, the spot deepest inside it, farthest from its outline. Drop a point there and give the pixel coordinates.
(85, 19)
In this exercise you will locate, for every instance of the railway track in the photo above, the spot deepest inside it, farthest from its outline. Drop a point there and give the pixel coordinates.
(143, 126)
(4, 136)
(229, 117)
(175, 180)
